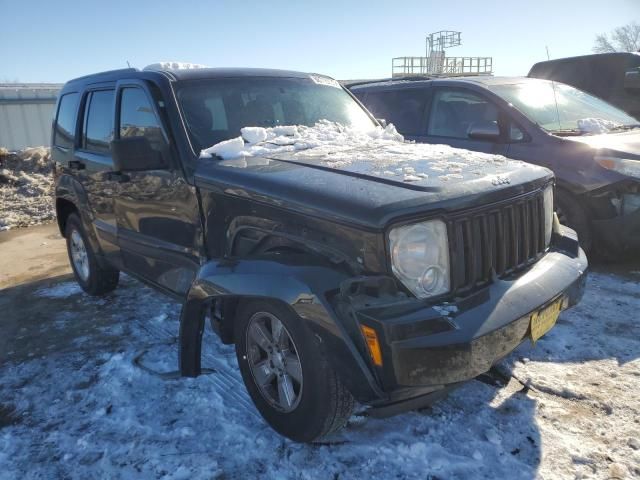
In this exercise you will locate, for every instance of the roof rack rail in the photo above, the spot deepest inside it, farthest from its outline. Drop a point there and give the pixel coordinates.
(408, 78)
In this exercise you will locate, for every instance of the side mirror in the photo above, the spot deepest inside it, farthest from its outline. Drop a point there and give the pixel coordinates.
(484, 131)
(632, 80)
(136, 154)
(382, 122)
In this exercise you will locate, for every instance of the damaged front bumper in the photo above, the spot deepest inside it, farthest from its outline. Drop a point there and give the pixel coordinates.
(428, 349)
(619, 234)
(615, 219)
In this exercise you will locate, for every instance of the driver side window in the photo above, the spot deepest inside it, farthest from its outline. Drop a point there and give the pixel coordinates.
(454, 112)
(137, 118)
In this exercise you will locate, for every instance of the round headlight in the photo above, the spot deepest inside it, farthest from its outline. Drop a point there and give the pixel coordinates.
(431, 280)
(410, 252)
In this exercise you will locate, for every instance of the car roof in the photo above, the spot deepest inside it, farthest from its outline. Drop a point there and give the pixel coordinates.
(187, 74)
(481, 80)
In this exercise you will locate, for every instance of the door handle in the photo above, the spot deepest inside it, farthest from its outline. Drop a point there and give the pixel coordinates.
(76, 165)
(118, 177)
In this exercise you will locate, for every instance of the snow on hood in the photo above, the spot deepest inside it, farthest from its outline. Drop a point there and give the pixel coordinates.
(596, 125)
(338, 146)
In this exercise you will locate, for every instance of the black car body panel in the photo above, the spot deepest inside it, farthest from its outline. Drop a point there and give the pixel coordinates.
(213, 233)
(614, 77)
(571, 158)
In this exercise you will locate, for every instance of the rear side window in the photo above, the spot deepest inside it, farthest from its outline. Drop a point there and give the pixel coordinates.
(98, 131)
(65, 127)
(404, 108)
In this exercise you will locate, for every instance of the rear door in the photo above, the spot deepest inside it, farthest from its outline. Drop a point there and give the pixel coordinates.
(159, 229)
(91, 164)
(454, 112)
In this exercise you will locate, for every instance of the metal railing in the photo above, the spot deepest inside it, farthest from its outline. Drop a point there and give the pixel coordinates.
(441, 65)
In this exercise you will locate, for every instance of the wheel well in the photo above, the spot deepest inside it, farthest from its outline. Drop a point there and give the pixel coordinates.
(223, 311)
(64, 208)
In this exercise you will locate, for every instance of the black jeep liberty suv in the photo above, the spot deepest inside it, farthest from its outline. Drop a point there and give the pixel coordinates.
(385, 273)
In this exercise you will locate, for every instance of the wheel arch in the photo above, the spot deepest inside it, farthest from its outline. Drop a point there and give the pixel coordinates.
(301, 287)
(64, 208)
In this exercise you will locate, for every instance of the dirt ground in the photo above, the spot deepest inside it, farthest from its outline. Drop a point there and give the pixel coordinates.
(32, 254)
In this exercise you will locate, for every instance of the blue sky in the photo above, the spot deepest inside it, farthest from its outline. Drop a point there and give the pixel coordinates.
(52, 41)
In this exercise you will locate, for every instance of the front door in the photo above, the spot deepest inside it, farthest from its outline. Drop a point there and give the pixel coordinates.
(455, 112)
(159, 229)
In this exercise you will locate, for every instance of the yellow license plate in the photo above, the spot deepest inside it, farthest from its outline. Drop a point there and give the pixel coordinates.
(544, 319)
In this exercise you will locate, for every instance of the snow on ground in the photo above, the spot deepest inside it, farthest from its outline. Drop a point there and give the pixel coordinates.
(79, 399)
(384, 150)
(26, 188)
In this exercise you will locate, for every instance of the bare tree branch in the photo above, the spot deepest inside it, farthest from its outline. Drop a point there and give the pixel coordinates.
(622, 39)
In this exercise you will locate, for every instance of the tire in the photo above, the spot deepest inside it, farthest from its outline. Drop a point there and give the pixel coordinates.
(571, 214)
(320, 403)
(92, 277)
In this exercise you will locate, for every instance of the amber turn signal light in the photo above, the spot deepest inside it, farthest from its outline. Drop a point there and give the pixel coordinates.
(373, 344)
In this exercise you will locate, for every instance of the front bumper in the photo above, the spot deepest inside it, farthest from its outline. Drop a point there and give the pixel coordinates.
(426, 349)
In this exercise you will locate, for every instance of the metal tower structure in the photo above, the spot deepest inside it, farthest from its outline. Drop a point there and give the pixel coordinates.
(436, 63)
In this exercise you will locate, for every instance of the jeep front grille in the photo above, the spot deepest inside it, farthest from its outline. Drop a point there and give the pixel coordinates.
(501, 238)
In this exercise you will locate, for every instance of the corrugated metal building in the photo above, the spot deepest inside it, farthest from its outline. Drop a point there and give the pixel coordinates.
(26, 110)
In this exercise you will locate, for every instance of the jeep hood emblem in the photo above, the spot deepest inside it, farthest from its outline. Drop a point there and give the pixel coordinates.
(498, 180)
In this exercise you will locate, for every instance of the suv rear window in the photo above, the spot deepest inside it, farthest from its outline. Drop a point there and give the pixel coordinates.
(65, 128)
(98, 131)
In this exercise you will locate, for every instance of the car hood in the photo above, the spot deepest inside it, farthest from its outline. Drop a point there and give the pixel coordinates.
(370, 186)
(621, 142)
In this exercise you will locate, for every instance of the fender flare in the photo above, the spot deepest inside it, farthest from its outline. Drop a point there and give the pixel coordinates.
(71, 190)
(302, 287)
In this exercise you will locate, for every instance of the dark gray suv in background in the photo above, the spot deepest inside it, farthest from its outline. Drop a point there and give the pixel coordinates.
(591, 146)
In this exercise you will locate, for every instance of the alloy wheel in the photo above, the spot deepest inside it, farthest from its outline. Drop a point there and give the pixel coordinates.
(79, 255)
(274, 361)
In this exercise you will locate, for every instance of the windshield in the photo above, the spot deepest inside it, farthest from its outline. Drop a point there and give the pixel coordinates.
(566, 108)
(216, 109)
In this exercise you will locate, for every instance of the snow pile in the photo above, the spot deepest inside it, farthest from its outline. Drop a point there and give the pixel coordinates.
(597, 125)
(174, 66)
(26, 188)
(324, 136)
(382, 152)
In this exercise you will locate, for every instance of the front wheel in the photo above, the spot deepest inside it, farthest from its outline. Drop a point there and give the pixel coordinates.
(94, 278)
(288, 378)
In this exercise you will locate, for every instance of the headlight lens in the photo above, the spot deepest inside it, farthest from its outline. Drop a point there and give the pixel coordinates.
(548, 214)
(420, 257)
(625, 166)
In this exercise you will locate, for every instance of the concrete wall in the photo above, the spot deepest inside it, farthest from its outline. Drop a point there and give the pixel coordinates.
(26, 112)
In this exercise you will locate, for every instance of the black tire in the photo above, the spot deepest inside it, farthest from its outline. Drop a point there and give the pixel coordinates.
(324, 405)
(571, 214)
(100, 279)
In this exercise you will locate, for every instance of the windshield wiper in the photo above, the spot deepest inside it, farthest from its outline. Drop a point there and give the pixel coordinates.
(625, 127)
(568, 132)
